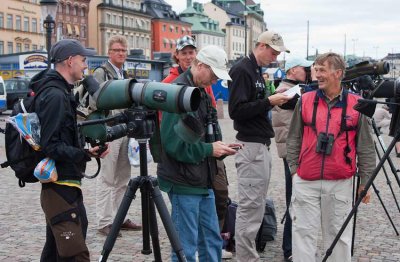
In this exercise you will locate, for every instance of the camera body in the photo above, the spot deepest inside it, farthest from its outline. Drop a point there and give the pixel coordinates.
(324, 143)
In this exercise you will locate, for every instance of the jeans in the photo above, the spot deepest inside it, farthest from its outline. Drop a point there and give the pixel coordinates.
(287, 229)
(196, 222)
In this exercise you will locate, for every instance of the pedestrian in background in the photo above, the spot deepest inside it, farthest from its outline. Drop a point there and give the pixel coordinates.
(115, 170)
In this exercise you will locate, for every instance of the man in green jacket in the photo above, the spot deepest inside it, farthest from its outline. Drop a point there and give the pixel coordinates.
(188, 167)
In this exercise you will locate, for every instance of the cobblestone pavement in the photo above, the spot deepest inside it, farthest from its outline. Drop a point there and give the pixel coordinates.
(22, 226)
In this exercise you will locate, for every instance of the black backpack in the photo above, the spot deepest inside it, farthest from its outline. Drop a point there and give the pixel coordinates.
(21, 157)
(268, 226)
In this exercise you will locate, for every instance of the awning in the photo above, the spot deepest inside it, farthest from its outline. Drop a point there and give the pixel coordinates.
(172, 27)
(69, 29)
(172, 41)
(166, 41)
(77, 30)
(183, 29)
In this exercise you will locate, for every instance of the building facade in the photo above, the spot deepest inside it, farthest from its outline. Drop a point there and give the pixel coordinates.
(20, 26)
(232, 25)
(124, 17)
(72, 21)
(205, 30)
(167, 27)
(250, 14)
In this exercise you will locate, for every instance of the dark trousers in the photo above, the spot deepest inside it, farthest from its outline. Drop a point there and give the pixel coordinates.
(220, 187)
(287, 229)
(66, 224)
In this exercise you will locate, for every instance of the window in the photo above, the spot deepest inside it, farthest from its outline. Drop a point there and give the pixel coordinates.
(83, 31)
(114, 21)
(176, 29)
(83, 11)
(1, 20)
(34, 25)
(164, 28)
(60, 8)
(26, 24)
(10, 47)
(34, 47)
(19, 48)
(75, 11)
(1, 47)
(67, 9)
(18, 22)
(26, 47)
(108, 18)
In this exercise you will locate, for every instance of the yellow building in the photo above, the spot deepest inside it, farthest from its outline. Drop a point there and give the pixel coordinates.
(20, 26)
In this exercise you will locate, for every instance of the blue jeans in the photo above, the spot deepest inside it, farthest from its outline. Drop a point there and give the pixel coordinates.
(196, 222)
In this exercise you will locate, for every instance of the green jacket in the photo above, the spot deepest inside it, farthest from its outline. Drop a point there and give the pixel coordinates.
(186, 168)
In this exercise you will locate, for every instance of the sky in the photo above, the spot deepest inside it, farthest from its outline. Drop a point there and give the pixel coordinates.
(372, 27)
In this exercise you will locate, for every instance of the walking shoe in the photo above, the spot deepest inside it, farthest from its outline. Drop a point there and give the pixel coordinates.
(105, 231)
(289, 259)
(130, 225)
(226, 254)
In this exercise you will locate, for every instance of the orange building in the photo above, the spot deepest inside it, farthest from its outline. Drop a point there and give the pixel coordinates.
(166, 26)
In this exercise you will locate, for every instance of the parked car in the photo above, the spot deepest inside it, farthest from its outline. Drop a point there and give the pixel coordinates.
(16, 88)
(3, 96)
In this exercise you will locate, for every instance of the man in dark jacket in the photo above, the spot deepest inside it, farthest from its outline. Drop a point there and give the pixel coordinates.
(62, 201)
(188, 167)
(248, 107)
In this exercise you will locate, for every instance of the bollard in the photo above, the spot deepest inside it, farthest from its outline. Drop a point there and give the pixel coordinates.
(220, 108)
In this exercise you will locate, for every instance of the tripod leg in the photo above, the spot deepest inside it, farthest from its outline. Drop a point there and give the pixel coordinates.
(362, 195)
(384, 208)
(168, 225)
(389, 159)
(388, 182)
(355, 196)
(154, 232)
(145, 218)
(120, 217)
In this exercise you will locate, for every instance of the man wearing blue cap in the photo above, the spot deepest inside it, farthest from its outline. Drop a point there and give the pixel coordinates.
(62, 201)
(295, 69)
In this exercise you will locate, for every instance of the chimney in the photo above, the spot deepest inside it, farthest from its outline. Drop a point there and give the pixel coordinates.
(188, 3)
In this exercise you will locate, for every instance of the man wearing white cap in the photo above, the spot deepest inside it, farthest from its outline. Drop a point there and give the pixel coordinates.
(188, 166)
(248, 107)
(295, 69)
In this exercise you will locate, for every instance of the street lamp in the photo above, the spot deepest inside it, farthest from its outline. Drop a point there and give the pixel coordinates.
(354, 45)
(48, 7)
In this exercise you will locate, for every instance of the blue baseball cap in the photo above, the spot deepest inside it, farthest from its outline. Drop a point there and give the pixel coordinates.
(297, 61)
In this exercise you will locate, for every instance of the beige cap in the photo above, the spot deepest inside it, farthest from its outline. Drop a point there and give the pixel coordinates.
(216, 58)
(274, 40)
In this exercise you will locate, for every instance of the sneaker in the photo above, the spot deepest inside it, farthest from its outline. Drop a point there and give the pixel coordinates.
(226, 254)
(289, 259)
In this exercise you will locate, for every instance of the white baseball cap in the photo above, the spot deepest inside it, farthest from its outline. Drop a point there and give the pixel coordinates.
(274, 40)
(216, 58)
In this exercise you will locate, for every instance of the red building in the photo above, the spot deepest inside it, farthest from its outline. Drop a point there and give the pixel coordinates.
(166, 26)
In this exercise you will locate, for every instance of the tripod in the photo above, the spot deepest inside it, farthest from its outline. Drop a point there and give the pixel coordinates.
(362, 194)
(389, 183)
(151, 195)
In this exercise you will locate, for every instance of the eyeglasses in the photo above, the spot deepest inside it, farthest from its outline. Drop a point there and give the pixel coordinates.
(119, 50)
(213, 76)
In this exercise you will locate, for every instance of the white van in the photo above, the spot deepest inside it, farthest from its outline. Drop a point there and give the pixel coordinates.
(3, 96)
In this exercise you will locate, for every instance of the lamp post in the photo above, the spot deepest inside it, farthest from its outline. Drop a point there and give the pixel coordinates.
(49, 11)
(354, 45)
(245, 27)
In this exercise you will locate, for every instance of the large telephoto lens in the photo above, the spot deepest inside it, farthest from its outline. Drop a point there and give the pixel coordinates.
(122, 94)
